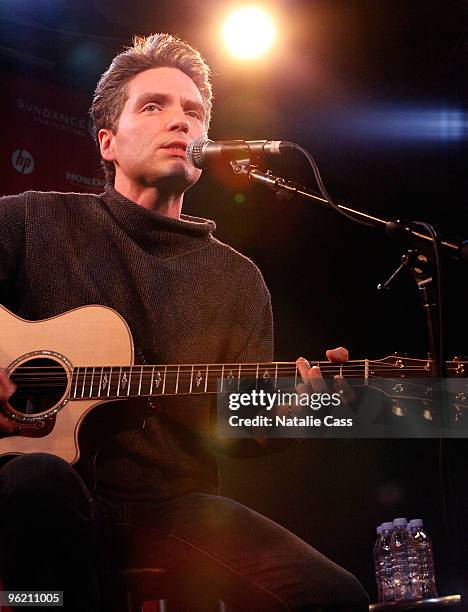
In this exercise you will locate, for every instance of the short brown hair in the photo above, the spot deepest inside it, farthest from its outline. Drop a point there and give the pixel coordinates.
(154, 51)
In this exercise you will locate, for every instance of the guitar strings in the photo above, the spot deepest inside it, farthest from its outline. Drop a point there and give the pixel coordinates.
(116, 374)
(117, 371)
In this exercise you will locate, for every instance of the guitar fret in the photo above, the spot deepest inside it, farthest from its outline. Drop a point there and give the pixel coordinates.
(91, 385)
(256, 376)
(76, 382)
(276, 376)
(152, 381)
(115, 381)
(295, 378)
(128, 382)
(164, 381)
(118, 384)
(110, 382)
(100, 382)
(206, 377)
(141, 376)
(239, 376)
(191, 379)
(84, 380)
(134, 392)
(177, 379)
(222, 378)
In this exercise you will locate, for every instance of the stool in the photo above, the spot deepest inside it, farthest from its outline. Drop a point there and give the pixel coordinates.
(139, 584)
(126, 590)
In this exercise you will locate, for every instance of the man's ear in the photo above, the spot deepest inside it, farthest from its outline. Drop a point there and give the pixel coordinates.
(106, 144)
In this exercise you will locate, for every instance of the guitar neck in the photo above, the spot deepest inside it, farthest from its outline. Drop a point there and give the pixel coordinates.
(94, 382)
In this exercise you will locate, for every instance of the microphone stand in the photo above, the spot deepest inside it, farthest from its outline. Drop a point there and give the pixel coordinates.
(419, 260)
(283, 188)
(416, 257)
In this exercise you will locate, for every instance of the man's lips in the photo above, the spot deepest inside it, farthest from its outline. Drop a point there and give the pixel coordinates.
(176, 147)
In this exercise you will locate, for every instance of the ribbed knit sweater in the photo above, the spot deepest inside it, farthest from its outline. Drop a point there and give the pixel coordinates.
(187, 297)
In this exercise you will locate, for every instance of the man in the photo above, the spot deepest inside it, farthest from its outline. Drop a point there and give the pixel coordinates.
(187, 298)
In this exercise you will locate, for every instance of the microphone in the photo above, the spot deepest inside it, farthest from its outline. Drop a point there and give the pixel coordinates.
(203, 152)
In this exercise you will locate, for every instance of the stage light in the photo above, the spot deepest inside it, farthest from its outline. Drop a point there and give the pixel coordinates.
(397, 124)
(248, 33)
(411, 124)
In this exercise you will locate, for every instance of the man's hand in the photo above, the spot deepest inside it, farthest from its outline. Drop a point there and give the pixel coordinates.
(7, 388)
(312, 376)
(313, 382)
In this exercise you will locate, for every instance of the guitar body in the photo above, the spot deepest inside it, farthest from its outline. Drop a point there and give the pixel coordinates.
(85, 336)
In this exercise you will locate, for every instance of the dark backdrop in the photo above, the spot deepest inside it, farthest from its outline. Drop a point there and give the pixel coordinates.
(376, 91)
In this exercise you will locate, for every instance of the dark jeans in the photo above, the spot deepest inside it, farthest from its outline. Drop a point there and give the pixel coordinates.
(54, 536)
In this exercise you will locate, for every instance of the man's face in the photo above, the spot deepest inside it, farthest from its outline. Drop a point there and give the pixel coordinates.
(163, 113)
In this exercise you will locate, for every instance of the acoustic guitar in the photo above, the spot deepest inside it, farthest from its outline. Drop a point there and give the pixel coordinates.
(67, 365)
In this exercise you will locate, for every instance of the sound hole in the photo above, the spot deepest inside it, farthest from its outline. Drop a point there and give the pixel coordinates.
(41, 383)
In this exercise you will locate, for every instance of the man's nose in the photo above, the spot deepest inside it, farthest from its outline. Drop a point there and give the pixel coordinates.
(178, 120)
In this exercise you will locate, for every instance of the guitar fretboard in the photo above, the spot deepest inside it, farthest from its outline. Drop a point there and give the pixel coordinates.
(150, 380)
(146, 380)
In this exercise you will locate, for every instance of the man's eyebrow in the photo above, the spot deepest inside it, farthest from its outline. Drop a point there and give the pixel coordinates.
(149, 96)
(196, 105)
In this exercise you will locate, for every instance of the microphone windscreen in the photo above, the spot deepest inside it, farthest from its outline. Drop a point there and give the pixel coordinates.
(195, 152)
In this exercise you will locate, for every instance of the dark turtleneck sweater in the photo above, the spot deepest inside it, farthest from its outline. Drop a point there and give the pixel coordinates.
(187, 297)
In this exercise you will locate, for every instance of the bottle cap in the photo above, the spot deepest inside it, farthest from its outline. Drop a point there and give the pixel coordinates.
(400, 522)
(387, 526)
(416, 523)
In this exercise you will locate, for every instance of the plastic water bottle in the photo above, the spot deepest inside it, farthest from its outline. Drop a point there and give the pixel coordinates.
(376, 555)
(413, 564)
(386, 564)
(405, 575)
(422, 546)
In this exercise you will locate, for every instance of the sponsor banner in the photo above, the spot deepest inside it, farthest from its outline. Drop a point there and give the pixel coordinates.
(47, 139)
(344, 408)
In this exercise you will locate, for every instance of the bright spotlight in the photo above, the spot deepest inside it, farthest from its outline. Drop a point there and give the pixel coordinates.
(445, 124)
(248, 32)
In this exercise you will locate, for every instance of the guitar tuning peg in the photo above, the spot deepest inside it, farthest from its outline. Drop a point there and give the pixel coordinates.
(460, 369)
(427, 412)
(397, 409)
(458, 413)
